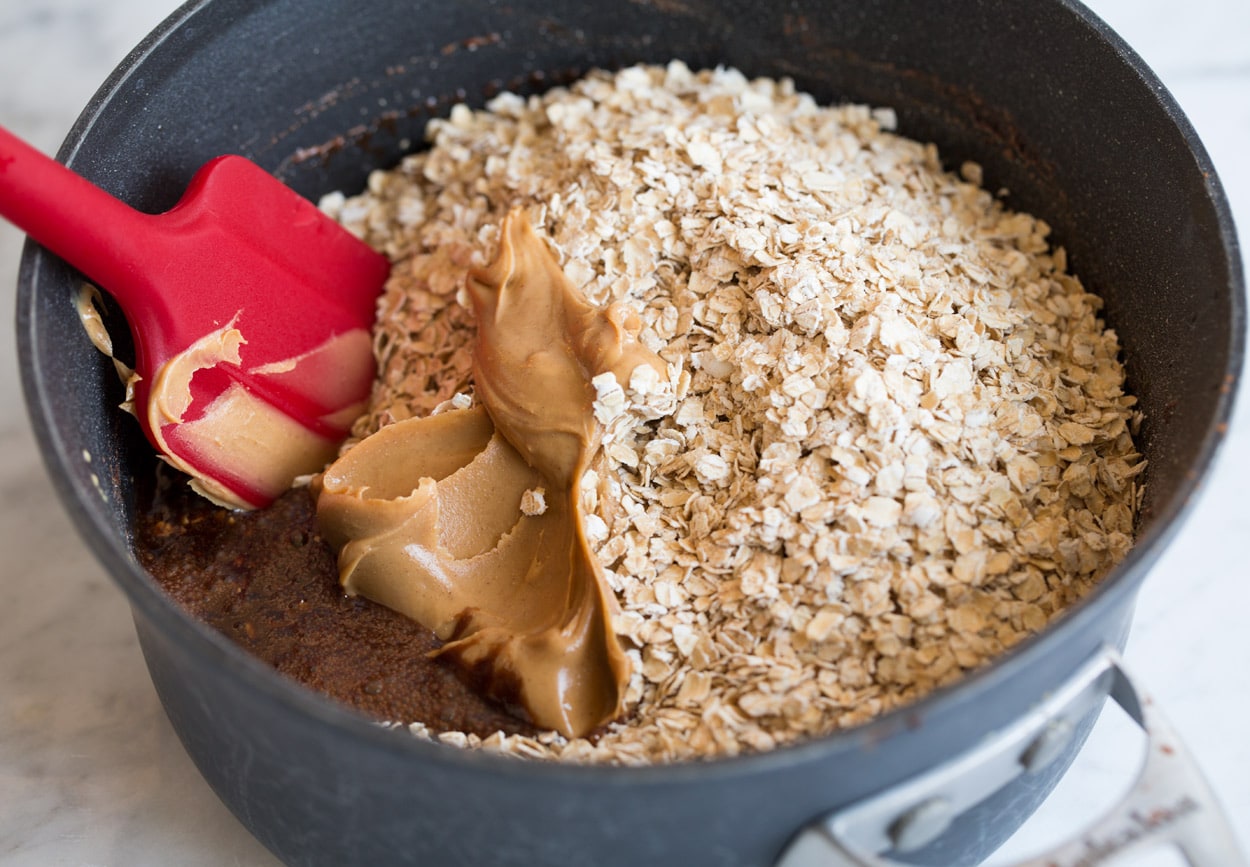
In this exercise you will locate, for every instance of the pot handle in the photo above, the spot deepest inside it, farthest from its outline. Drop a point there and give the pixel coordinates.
(1169, 803)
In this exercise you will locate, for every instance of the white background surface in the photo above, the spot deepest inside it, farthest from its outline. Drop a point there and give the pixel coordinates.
(92, 774)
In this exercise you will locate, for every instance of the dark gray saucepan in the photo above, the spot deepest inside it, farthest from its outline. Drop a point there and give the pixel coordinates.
(1057, 109)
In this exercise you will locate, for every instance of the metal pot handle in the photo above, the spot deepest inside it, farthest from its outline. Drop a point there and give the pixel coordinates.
(1170, 802)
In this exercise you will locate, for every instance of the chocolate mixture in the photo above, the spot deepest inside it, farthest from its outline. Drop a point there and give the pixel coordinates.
(267, 581)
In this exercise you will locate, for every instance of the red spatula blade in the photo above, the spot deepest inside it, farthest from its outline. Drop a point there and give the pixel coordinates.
(251, 313)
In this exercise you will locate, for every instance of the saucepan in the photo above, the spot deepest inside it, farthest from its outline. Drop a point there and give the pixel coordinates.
(1062, 116)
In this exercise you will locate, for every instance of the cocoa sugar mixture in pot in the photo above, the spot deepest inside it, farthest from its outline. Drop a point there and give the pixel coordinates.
(267, 581)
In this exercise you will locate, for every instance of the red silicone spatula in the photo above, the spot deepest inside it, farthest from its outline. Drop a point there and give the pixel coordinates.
(250, 310)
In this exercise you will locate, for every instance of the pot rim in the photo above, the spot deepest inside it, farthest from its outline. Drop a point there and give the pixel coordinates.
(159, 610)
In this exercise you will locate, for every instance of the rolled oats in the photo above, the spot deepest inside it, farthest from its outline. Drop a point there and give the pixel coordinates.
(893, 440)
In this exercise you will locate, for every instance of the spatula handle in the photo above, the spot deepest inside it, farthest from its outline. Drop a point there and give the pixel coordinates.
(98, 234)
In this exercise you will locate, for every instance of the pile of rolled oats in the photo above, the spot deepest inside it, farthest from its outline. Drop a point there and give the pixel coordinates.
(894, 441)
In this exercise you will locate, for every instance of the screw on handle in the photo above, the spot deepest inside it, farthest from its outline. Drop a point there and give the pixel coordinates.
(1170, 802)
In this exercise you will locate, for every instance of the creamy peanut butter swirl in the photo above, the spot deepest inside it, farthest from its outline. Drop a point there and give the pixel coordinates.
(427, 512)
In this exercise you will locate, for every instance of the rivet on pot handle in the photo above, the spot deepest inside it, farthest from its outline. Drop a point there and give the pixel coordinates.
(1170, 802)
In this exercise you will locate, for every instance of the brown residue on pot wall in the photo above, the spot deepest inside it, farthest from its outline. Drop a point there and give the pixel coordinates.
(472, 43)
(390, 122)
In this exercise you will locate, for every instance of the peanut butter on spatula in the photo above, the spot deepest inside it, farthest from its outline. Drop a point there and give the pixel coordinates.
(249, 308)
(427, 513)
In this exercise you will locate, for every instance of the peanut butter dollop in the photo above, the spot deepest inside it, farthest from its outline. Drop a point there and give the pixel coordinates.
(427, 513)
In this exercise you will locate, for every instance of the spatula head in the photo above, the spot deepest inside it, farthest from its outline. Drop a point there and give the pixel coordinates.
(252, 332)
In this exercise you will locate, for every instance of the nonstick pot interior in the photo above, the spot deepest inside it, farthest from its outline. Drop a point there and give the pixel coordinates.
(1056, 109)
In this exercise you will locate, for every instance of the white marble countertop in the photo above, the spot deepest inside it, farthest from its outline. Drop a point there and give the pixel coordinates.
(92, 774)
